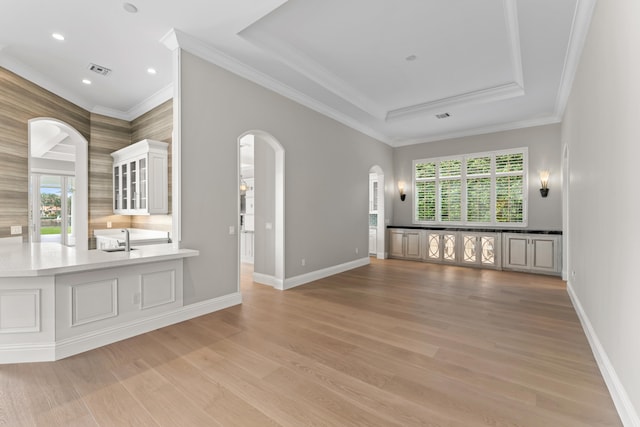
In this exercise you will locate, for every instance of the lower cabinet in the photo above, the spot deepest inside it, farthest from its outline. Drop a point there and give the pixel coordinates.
(406, 243)
(442, 246)
(537, 253)
(480, 249)
(247, 246)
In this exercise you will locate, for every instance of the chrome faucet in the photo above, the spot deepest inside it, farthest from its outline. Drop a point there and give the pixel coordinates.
(127, 244)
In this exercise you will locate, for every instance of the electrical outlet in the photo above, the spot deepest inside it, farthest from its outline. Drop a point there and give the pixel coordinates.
(303, 262)
(268, 225)
(16, 229)
(232, 230)
(357, 250)
(108, 224)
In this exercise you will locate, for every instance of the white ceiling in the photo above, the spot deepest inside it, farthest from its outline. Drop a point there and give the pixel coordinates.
(49, 140)
(491, 64)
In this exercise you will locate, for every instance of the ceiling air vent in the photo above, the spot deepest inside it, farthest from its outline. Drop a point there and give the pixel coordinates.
(99, 69)
(443, 115)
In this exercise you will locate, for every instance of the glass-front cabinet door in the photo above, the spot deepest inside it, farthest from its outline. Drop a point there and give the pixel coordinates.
(142, 188)
(116, 188)
(481, 249)
(140, 179)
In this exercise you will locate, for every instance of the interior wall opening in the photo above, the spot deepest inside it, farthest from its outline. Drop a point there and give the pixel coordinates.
(58, 183)
(377, 240)
(261, 209)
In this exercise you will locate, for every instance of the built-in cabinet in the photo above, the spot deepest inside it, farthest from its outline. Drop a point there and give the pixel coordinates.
(441, 246)
(406, 243)
(538, 253)
(480, 249)
(140, 179)
(247, 246)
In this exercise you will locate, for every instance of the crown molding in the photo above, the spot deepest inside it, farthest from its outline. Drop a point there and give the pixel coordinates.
(522, 124)
(312, 70)
(577, 39)
(490, 94)
(210, 54)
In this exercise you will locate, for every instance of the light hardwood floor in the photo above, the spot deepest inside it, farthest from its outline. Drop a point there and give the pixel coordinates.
(396, 343)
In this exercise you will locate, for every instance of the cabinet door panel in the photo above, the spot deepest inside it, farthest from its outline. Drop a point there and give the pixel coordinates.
(543, 254)
(517, 252)
(396, 244)
(469, 249)
(449, 247)
(488, 250)
(433, 246)
(413, 245)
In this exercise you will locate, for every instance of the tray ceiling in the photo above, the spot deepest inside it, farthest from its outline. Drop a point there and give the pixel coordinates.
(382, 67)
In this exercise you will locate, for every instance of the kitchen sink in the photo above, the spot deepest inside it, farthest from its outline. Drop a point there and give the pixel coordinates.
(116, 249)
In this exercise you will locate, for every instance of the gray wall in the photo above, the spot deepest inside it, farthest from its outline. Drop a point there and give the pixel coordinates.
(326, 178)
(544, 153)
(265, 208)
(602, 128)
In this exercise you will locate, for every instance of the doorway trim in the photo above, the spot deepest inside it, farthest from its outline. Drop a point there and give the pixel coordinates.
(81, 168)
(277, 280)
(380, 228)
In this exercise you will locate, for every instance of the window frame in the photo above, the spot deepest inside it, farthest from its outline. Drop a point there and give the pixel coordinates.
(463, 193)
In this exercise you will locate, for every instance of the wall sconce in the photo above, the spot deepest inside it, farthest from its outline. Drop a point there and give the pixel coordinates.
(544, 183)
(401, 189)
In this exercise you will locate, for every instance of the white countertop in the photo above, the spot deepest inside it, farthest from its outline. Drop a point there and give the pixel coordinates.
(47, 259)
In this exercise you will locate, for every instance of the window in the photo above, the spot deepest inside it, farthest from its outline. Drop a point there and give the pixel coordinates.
(474, 189)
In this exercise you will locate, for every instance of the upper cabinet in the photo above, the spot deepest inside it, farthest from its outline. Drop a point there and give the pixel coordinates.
(140, 179)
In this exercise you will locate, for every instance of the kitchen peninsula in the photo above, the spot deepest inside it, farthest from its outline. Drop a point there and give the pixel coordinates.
(56, 301)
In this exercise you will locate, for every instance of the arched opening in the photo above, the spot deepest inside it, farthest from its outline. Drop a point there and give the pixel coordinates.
(58, 183)
(261, 206)
(377, 239)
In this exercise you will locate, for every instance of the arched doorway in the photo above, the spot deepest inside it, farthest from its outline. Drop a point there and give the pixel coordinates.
(265, 218)
(376, 212)
(58, 183)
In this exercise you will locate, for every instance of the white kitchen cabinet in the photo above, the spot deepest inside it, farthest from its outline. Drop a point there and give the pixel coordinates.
(140, 179)
(536, 253)
(373, 241)
(247, 246)
(480, 249)
(406, 243)
(441, 246)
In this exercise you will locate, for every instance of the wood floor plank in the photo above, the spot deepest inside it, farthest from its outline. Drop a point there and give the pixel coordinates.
(394, 343)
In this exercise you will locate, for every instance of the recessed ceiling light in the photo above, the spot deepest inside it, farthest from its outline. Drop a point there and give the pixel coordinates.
(411, 58)
(57, 36)
(151, 71)
(86, 81)
(130, 7)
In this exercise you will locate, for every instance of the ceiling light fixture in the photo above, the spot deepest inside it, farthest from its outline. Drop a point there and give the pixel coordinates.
(411, 58)
(58, 36)
(86, 81)
(130, 7)
(151, 71)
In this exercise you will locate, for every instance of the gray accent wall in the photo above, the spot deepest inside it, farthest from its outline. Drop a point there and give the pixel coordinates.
(601, 128)
(544, 148)
(326, 178)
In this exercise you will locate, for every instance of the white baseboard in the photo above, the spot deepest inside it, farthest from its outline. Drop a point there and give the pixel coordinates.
(74, 345)
(266, 279)
(21, 353)
(621, 400)
(325, 272)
